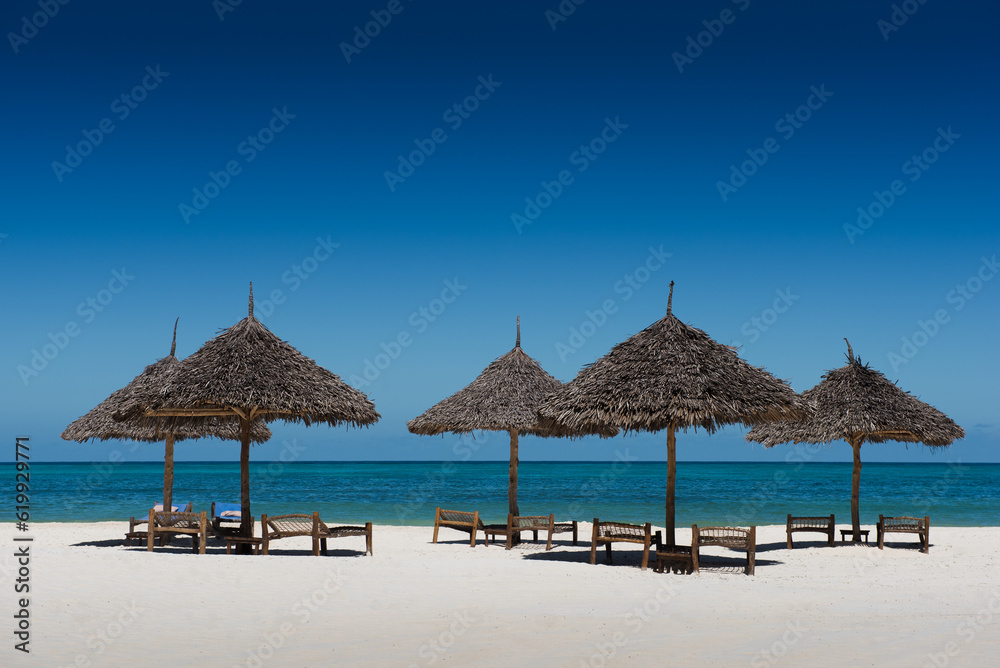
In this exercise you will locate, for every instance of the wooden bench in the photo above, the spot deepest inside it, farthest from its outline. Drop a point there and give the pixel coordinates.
(685, 559)
(824, 525)
(139, 536)
(916, 525)
(277, 527)
(606, 533)
(534, 524)
(168, 522)
(462, 521)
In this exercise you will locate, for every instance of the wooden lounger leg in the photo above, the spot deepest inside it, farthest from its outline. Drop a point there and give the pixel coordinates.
(368, 538)
(437, 523)
(593, 544)
(607, 549)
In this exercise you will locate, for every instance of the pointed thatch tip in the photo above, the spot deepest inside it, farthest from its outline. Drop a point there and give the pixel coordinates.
(850, 351)
(251, 299)
(517, 344)
(173, 344)
(670, 297)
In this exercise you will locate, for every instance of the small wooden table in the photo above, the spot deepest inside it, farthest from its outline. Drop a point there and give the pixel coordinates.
(245, 540)
(677, 560)
(844, 533)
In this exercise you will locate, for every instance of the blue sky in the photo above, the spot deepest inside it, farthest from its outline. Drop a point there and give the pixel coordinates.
(803, 172)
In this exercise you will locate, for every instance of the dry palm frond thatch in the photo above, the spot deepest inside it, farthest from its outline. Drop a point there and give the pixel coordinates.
(856, 403)
(99, 423)
(248, 372)
(504, 397)
(670, 376)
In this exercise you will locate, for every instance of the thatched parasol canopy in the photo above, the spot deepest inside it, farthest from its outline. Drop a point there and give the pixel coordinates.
(505, 397)
(670, 376)
(856, 403)
(99, 424)
(248, 372)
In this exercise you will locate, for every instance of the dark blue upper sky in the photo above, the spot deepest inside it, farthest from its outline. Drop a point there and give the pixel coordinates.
(512, 163)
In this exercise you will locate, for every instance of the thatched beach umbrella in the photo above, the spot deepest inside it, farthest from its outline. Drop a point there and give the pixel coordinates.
(505, 397)
(670, 376)
(856, 403)
(248, 372)
(99, 424)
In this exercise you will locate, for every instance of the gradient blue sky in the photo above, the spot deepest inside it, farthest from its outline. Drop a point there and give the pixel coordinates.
(776, 241)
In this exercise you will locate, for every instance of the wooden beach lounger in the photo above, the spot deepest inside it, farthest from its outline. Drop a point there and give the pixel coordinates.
(226, 519)
(132, 534)
(606, 533)
(517, 524)
(168, 522)
(462, 521)
(824, 525)
(277, 527)
(686, 559)
(916, 525)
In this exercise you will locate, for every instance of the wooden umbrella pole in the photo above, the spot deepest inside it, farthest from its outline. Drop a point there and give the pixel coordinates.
(669, 540)
(246, 519)
(168, 473)
(512, 486)
(856, 489)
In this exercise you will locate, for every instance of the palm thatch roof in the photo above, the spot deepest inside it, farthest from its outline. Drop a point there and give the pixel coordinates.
(858, 404)
(248, 371)
(670, 375)
(504, 397)
(99, 423)
(856, 401)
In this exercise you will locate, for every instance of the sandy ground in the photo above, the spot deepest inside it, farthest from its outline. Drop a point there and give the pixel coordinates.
(93, 602)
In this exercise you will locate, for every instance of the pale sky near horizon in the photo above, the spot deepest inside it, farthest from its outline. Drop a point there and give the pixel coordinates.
(401, 180)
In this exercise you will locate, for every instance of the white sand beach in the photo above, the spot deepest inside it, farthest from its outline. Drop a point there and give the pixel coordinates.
(93, 602)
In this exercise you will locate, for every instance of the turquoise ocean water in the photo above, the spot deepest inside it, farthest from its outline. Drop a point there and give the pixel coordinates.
(406, 493)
